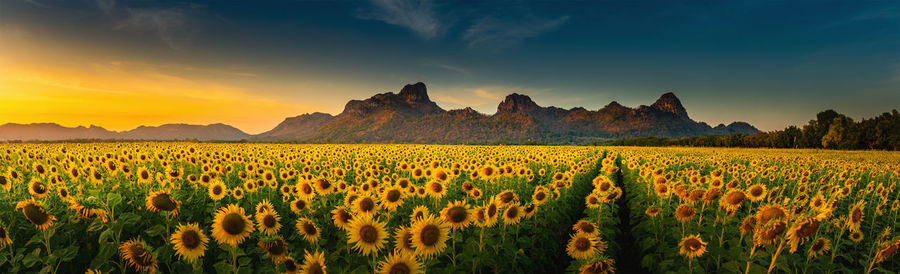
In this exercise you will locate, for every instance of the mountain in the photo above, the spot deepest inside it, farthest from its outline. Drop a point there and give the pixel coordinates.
(411, 117)
(51, 131)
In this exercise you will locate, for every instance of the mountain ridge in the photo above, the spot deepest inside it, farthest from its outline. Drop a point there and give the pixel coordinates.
(410, 116)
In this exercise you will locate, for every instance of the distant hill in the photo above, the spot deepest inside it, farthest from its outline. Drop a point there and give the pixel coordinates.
(411, 117)
(51, 131)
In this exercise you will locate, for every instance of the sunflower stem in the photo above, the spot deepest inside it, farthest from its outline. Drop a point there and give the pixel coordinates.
(750, 259)
(774, 257)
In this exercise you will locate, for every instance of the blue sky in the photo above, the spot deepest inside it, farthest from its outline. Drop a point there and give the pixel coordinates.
(770, 63)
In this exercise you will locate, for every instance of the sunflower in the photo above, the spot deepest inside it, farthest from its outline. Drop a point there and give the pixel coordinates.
(819, 246)
(313, 263)
(276, 249)
(769, 213)
(856, 236)
(5, 239)
(162, 201)
(583, 246)
(36, 188)
(264, 206)
(366, 233)
(756, 192)
(324, 186)
(732, 201)
(231, 226)
(800, 231)
(513, 214)
(365, 205)
(492, 211)
(5, 183)
(692, 247)
(856, 215)
(136, 254)
(391, 198)
(605, 266)
(189, 241)
(766, 233)
(436, 189)
(35, 214)
(685, 213)
(399, 263)
(268, 222)
(457, 214)
(886, 251)
(539, 197)
(341, 217)
(143, 175)
(429, 236)
(748, 225)
(419, 212)
(298, 205)
(403, 240)
(308, 229)
(592, 201)
(585, 227)
(237, 193)
(652, 212)
(290, 266)
(217, 190)
(506, 197)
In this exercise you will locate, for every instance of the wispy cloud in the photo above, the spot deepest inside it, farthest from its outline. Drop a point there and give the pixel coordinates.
(107, 6)
(490, 31)
(417, 15)
(170, 24)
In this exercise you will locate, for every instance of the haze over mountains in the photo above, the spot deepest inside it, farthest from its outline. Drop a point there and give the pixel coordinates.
(411, 117)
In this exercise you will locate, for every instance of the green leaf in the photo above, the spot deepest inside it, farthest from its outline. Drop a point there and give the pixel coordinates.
(69, 253)
(156, 231)
(223, 268)
(106, 250)
(30, 259)
(113, 199)
(129, 219)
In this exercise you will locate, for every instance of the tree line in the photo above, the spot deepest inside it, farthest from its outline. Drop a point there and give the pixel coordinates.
(830, 130)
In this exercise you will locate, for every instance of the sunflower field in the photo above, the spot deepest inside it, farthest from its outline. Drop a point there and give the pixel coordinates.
(251, 208)
(289, 208)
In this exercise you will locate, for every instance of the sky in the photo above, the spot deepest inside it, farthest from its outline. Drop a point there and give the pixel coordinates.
(250, 64)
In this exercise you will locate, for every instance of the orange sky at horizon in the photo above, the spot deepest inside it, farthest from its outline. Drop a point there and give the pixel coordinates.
(43, 83)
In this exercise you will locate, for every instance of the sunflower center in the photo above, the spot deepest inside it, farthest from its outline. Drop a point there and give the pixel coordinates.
(587, 227)
(407, 240)
(857, 215)
(512, 212)
(507, 197)
(458, 214)
(217, 190)
(277, 248)
(393, 195)
(233, 223)
(436, 187)
(145, 175)
(300, 204)
(163, 202)
(492, 210)
(735, 198)
(756, 191)
(819, 245)
(430, 235)
(582, 244)
(368, 234)
(366, 204)
(2, 233)
(399, 268)
(269, 221)
(140, 255)
(290, 266)
(309, 229)
(316, 268)
(35, 214)
(190, 239)
(38, 187)
(324, 184)
(540, 196)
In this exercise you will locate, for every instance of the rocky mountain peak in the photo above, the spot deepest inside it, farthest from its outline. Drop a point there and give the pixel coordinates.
(517, 103)
(414, 93)
(669, 103)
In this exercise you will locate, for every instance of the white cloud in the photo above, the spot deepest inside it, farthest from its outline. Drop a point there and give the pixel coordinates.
(489, 31)
(169, 24)
(417, 15)
(107, 6)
